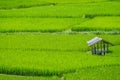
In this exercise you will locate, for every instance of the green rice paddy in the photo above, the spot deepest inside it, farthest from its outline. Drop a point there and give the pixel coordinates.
(38, 24)
(47, 39)
(37, 55)
(66, 10)
(100, 23)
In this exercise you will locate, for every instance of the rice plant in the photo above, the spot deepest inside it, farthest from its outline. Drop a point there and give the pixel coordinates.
(65, 10)
(44, 42)
(38, 24)
(36, 55)
(96, 73)
(99, 23)
(6, 4)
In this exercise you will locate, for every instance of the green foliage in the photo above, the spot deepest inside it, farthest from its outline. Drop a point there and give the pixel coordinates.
(6, 4)
(96, 73)
(38, 63)
(13, 77)
(25, 51)
(99, 23)
(25, 54)
(59, 24)
(44, 42)
(38, 24)
(93, 73)
(66, 10)
(11, 4)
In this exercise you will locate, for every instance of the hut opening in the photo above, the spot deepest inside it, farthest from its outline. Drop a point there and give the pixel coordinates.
(99, 46)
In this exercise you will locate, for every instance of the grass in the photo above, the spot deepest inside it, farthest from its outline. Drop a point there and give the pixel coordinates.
(14, 77)
(38, 24)
(93, 73)
(66, 10)
(37, 55)
(6, 4)
(59, 24)
(27, 54)
(96, 73)
(36, 63)
(75, 1)
(44, 42)
(99, 23)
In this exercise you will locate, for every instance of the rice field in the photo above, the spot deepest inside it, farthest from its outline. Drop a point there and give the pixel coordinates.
(81, 17)
(113, 72)
(6, 4)
(44, 42)
(38, 24)
(37, 63)
(96, 73)
(99, 23)
(14, 77)
(36, 55)
(47, 39)
(106, 23)
(65, 10)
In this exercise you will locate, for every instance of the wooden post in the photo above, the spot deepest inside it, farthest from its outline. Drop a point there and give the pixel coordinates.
(98, 48)
(101, 48)
(104, 48)
(95, 49)
(107, 49)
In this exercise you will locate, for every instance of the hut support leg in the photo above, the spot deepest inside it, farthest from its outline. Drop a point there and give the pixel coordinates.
(104, 48)
(95, 49)
(101, 49)
(107, 48)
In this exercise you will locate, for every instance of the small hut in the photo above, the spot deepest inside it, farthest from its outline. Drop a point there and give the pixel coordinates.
(99, 46)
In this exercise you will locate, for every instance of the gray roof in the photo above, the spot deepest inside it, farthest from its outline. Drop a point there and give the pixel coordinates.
(96, 40)
(93, 41)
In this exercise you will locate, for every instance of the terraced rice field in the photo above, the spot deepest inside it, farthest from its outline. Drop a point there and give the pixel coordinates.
(38, 24)
(99, 23)
(44, 42)
(37, 55)
(47, 39)
(65, 10)
(6, 4)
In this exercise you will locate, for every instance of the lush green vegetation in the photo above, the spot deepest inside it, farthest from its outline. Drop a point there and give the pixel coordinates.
(66, 10)
(38, 24)
(37, 55)
(79, 1)
(101, 73)
(50, 63)
(44, 42)
(96, 73)
(61, 17)
(11, 4)
(100, 23)
(93, 73)
(59, 24)
(26, 53)
(6, 4)
(14, 77)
